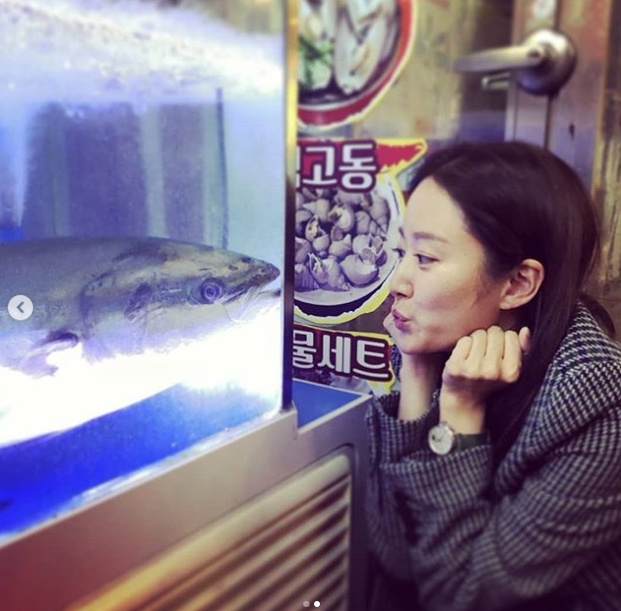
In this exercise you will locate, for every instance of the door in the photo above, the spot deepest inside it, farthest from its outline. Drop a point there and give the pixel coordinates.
(579, 121)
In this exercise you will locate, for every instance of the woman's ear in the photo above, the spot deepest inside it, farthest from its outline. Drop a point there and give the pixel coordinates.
(522, 284)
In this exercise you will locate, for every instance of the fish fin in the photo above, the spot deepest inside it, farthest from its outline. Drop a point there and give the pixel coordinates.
(60, 340)
(36, 364)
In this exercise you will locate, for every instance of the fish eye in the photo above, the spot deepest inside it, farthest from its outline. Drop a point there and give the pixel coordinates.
(211, 291)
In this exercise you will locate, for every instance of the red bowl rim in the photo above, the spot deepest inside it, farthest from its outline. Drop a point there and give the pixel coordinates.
(333, 114)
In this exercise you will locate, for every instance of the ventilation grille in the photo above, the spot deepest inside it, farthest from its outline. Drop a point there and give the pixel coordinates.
(289, 546)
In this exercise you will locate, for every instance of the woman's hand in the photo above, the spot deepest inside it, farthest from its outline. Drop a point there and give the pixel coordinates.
(480, 364)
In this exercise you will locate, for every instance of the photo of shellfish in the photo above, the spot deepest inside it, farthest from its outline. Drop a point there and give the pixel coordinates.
(344, 242)
(350, 51)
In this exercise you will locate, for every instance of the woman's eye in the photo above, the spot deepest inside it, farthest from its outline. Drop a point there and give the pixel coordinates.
(424, 259)
(400, 252)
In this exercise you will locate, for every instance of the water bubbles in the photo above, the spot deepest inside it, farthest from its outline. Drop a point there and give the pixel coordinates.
(75, 112)
(66, 52)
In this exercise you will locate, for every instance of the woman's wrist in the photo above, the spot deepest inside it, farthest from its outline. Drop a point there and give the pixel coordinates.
(419, 378)
(464, 416)
(415, 399)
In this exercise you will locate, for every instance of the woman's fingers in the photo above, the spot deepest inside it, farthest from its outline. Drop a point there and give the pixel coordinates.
(462, 349)
(491, 355)
(479, 365)
(491, 367)
(511, 364)
(525, 339)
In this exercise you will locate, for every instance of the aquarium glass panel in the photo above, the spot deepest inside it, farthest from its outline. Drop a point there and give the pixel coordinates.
(142, 198)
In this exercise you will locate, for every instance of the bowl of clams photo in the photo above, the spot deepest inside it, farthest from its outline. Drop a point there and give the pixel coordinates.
(350, 52)
(345, 245)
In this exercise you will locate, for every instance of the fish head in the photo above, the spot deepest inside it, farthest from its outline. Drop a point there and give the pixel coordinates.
(157, 292)
(222, 277)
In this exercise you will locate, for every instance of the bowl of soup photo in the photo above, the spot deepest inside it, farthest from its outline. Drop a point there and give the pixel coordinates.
(350, 52)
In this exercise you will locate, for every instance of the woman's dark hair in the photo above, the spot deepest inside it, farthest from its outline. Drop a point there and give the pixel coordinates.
(521, 201)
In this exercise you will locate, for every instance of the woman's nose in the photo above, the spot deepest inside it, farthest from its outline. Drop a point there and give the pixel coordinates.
(400, 284)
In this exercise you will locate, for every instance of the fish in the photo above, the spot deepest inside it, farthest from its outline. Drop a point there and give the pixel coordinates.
(114, 321)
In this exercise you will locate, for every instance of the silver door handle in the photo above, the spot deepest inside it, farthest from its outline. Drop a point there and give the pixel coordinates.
(542, 64)
(503, 58)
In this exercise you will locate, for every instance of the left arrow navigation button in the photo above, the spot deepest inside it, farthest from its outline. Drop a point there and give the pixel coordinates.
(20, 307)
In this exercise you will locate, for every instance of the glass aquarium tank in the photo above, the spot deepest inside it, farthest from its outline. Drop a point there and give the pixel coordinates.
(142, 221)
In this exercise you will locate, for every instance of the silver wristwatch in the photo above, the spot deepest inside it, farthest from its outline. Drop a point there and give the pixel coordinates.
(443, 439)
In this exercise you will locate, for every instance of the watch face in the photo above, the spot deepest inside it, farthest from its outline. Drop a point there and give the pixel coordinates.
(441, 439)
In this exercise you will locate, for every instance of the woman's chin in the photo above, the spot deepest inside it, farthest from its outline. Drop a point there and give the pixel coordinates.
(409, 342)
(389, 324)
(418, 346)
(415, 350)
(409, 345)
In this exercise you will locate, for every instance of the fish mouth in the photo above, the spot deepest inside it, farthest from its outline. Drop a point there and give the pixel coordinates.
(252, 296)
(268, 274)
(236, 294)
(253, 304)
(246, 288)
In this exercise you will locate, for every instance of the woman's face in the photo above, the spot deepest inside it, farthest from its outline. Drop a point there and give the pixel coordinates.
(440, 288)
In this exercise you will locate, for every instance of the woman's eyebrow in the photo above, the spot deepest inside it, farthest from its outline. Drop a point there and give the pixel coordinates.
(425, 235)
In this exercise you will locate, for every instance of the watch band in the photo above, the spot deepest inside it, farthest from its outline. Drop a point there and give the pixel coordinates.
(443, 439)
(463, 442)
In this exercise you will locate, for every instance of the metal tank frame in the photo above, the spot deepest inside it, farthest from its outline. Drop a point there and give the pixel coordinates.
(85, 558)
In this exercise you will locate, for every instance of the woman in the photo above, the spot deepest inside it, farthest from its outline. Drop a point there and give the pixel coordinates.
(496, 471)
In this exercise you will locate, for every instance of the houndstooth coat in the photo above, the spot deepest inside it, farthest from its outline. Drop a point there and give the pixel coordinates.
(551, 538)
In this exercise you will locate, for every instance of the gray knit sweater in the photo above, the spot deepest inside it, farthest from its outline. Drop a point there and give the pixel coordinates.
(553, 529)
